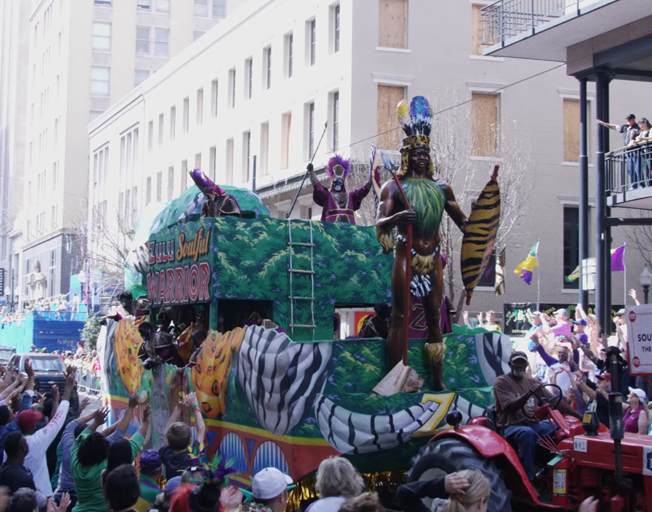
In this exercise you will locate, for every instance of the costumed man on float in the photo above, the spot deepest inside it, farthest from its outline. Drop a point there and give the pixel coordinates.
(218, 202)
(427, 199)
(337, 204)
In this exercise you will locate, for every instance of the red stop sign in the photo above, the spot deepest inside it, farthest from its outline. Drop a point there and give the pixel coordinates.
(636, 362)
(632, 316)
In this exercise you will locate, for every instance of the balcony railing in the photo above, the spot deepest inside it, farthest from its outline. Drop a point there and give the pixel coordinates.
(629, 168)
(508, 18)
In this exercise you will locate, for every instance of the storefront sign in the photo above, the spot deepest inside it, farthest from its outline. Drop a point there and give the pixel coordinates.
(188, 280)
(639, 339)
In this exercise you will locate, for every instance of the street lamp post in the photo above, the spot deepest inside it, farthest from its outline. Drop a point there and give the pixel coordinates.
(646, 281)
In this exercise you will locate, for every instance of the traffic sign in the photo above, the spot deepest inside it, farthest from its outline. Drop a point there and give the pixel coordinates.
(639, 339)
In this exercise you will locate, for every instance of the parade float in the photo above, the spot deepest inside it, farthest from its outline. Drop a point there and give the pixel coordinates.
(274, 387)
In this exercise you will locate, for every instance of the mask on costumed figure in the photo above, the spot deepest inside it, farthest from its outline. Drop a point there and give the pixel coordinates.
(338, 169)
(218, 202)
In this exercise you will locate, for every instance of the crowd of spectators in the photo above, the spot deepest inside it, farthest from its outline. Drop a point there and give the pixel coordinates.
(58, 303)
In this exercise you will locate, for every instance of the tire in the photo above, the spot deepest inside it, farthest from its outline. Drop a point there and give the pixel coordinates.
(448, 455)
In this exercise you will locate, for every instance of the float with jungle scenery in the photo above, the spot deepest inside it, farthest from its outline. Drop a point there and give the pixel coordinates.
(249, 303)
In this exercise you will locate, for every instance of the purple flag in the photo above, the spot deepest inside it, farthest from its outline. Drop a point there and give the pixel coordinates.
(618, 259)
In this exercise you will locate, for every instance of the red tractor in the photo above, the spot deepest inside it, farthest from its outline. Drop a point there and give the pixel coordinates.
(585, 463)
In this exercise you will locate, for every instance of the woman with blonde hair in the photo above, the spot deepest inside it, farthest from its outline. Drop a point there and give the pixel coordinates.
(337, 482)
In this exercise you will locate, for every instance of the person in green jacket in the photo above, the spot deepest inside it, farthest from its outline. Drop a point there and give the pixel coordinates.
(89, 458)
(151, 470)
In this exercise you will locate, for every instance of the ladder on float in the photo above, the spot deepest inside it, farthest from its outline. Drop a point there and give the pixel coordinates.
(311, 273)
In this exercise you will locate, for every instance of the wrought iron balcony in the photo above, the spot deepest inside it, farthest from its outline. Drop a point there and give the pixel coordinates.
(505, 19)
(629, 173)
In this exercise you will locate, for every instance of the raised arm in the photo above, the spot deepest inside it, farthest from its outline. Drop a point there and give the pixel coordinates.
(609, 125)
(199, 419)
(124, 422)
(453, 209)
(9, 390)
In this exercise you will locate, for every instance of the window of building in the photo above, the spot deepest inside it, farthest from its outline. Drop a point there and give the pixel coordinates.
(150, 137)
(159, 186)
(571, 244)
(186, 114)
(102, 36)
(392, 23)
(488, 278)
(335, 19)
(93, 115)
(229, 161)
(476, 29)
(170, 183)
(201, 8)
(161, 42)
(214, 97)
(232, 88)
(55, 173)
(184, 175)
(56, 132)
(249, 78)
(100, 79)
(289, 55)
(200, 106)
(485, 122)
(148, 191)
(267, 62)
(286, 126)
(197, 161)
(197, 34)
(102, 2)
(173, 122)
(212, 162)
(388, 126)
(335, 120)
(311, 39)
(161, 123)
(310, 130)
(163, 5)
(264, 149)
(142, 40)
(140, 75)
(144, 4)
(219, 8)
(571, 130)
(134, 208)
(246, 156)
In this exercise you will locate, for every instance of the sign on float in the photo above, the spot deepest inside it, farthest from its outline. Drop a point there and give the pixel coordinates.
(639, 339)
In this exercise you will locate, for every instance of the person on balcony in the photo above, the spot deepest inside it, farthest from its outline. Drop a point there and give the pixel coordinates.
(630, 131)
(643, 157)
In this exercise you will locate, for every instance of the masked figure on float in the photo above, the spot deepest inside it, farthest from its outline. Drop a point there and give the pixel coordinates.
(337, 204)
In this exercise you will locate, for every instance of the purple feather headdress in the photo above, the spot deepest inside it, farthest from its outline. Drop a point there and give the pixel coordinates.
(335, 161)
(205, 184)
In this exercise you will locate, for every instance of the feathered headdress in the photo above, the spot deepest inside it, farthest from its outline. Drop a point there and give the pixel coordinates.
(206, 497)
(338, 167)
(205, 184)
(416, 121)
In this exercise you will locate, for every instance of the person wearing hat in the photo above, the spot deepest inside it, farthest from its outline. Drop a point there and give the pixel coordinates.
(598, 394)
(514, 393)
(557, 327)
(269, 491)
(636, 418)
(39, 440)
(151, 470)
(630, 131)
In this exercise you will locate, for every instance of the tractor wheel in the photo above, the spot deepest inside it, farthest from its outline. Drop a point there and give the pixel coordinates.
(449, 455)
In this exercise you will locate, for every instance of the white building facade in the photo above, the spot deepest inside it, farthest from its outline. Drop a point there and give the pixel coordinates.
(265, 82)
(83, 57)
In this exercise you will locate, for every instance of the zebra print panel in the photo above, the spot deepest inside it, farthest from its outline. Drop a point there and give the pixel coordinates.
(467, 409)
(281, 378)
(352, 433)
(493, 351)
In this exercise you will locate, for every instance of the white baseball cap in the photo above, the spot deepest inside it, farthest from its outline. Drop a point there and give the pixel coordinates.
(639, 393)
(269, 483)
